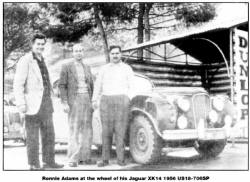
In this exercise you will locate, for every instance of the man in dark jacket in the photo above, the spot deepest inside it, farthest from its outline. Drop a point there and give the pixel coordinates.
(76, 88)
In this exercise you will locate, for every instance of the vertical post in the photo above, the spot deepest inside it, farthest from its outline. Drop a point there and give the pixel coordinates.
(231, 73)
(231, 64)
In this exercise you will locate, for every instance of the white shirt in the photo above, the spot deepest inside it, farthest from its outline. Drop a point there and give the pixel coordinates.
(113, 79)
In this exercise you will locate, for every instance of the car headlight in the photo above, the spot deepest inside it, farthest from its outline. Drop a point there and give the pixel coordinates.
(182, 122)
(213, 116)
(218, 104)
(183, 104)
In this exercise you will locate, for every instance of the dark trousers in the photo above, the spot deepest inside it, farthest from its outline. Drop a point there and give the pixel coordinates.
(80, 129)
(41, 121)
(114, 117)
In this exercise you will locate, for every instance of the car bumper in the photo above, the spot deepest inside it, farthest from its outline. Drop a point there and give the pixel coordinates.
(192, 134)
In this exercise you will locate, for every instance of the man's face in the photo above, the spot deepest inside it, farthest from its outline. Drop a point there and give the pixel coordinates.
(115, 55)
(78, 52)
(38, 46)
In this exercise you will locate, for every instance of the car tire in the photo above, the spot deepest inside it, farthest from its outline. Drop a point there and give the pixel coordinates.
(144, 143)
(208, 149)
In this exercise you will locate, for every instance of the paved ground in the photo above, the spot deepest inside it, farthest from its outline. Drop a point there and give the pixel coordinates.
(232, 158)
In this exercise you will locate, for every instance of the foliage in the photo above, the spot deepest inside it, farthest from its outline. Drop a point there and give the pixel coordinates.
(69, 28)
(123, 12)
(77, 19)
(69, 22)
(201, 12)
(18, 21)
(69, 33)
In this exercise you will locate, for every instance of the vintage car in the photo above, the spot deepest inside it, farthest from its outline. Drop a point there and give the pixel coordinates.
(173, 117)
(13, 122)
(189, 103)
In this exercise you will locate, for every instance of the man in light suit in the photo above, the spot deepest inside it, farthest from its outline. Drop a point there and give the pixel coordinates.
(32, 91)
(76, 88)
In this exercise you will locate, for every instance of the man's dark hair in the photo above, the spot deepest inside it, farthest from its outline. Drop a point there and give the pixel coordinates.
(115, 47)
(38, 36)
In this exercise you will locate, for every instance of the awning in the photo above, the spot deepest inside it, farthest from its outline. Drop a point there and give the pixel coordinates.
(191, 32)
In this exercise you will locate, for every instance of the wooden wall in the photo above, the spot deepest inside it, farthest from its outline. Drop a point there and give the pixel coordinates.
(218, 79)
(212, 77)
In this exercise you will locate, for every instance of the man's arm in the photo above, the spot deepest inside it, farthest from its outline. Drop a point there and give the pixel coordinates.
(90, 80)
(98, 87)
(20, 78)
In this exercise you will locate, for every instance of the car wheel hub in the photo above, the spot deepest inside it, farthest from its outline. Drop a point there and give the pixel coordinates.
(141, 140)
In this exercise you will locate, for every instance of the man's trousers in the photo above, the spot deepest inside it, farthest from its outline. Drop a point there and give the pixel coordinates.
(80, 129)
(114, 116)
(41, 121)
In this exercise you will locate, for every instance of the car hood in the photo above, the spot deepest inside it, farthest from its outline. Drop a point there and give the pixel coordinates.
(172, 93)
(180, 90)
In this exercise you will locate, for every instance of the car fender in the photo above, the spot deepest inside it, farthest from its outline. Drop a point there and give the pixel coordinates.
(135, 111)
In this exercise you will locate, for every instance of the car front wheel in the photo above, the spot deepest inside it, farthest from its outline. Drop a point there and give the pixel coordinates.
(145, 145)
(209, 149)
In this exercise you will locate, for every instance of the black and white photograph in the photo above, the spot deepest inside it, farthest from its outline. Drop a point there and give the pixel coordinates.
(125, 86)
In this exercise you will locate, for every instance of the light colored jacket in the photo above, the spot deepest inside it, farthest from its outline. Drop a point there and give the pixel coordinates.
(28, 84)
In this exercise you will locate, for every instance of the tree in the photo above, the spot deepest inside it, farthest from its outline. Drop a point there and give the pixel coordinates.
(201, 12)
(148, 6)
(102, 32)
(110, 13)
(140, 28)
(143, 25)
(78, 19)
(18, 22)
(189, 13)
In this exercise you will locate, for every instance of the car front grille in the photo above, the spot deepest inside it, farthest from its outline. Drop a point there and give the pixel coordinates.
(201, 107)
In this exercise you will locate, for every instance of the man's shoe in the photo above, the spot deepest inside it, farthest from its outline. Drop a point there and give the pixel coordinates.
(35, 167)
(72, 164)
(87, 162)
(103, 163)
(121, 163)
(53, 166)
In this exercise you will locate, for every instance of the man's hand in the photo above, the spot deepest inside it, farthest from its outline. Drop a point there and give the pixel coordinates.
(94, 105)
(22, 108)
(66, 107)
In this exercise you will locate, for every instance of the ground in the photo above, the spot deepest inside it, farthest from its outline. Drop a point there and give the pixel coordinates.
(232, 158)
